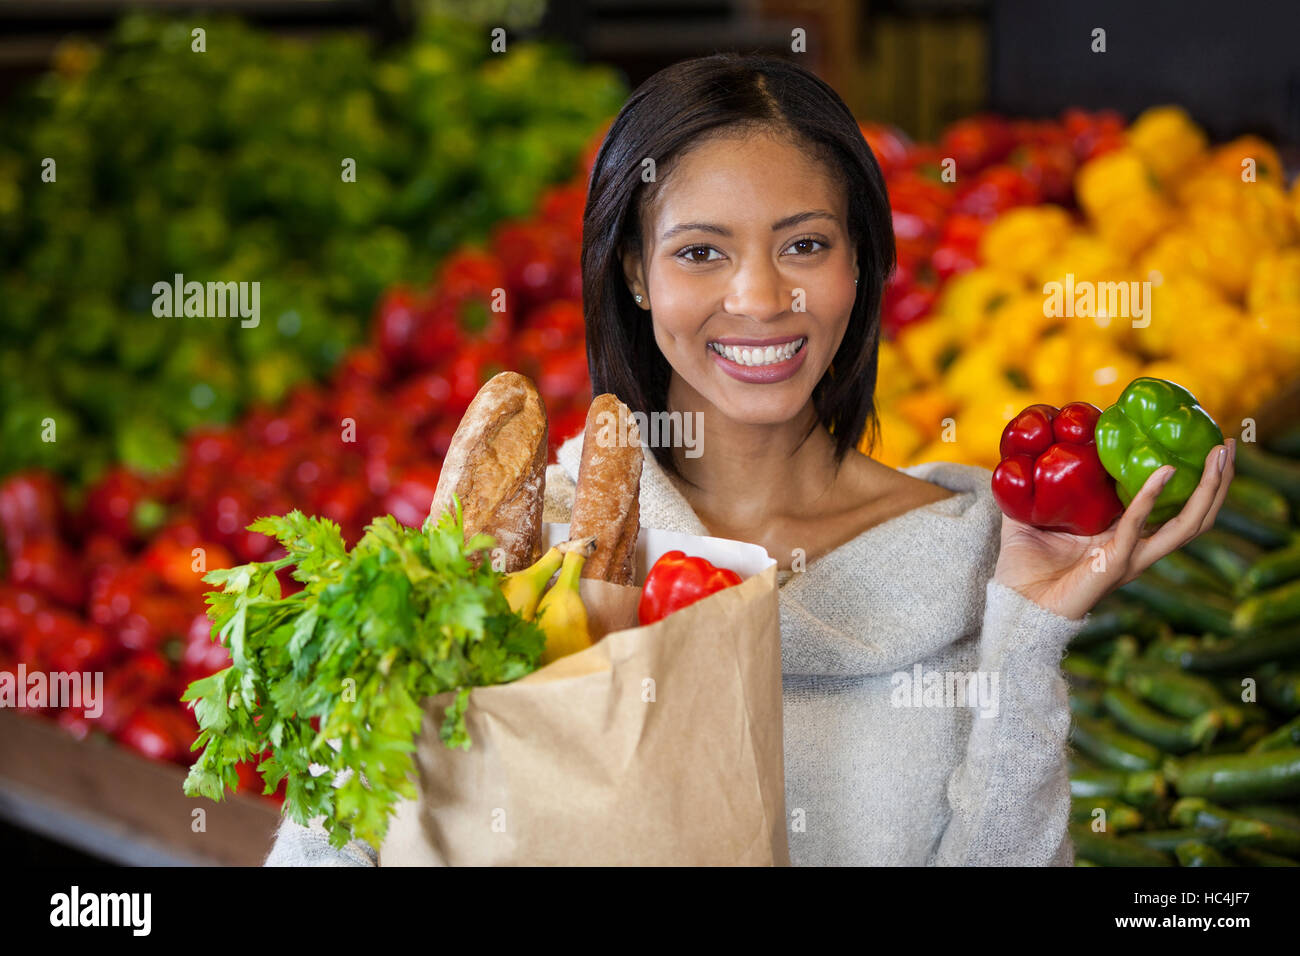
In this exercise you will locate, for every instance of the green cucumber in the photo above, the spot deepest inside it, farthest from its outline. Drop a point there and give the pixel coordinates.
(1168, 840)
(1282, 474)
(1241, 828)
(1288, 735)
(1200, 853)
(1139, 789)
(1119, 815)
(1169, 649)
(1286, 442)
(1281, 691)
(1263, 531)
(1272, 569)
(1184, 571)
(1109, 745)
(1086, 700)
(1200, 611)
(1236, 778)
(1280, 605)
(1276, 814)
(1258, 498)
(1183, 695)
(1114, 850)
(1084, 669)
(1250, 856)
(1230, 555)
(1109, 619)
(1080, 763)
(1123, 655)
(1167, 733)
(1241, 652)
(1241, 743)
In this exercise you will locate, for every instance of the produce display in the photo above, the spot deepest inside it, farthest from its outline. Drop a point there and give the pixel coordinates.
(1185, 691)
(326, 171)
(944, 195)
(1172, 260)
(190, 449)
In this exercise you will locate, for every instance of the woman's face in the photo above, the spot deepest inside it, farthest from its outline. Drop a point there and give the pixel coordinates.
(748, 276)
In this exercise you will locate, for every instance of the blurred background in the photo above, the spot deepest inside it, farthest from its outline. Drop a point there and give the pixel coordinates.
(378, 169)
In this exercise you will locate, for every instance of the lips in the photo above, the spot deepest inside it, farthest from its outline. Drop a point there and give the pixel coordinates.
(758, 353)
(759, 361)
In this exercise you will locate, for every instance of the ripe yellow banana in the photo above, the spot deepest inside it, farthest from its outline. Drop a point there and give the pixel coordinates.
(523, 589)
(561, 614)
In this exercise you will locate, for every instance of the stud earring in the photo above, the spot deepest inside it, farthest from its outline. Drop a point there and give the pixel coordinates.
(855, 281)
(638, 300)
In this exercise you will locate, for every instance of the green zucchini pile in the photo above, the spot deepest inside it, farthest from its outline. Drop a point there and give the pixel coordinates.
(1185, 691)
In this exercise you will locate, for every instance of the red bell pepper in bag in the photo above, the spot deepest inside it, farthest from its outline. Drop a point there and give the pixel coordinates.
(1050, 476)
(677, 580)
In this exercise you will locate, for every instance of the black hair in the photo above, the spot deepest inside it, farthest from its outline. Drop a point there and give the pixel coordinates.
(670, 113)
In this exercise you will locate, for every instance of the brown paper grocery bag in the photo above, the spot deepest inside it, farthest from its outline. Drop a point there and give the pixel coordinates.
(658, 745)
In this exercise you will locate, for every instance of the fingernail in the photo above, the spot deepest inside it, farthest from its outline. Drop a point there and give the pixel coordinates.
(1168, 473)
(1223, 457)
(1232, 455)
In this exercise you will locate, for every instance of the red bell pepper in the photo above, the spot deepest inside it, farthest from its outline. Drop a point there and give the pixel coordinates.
(51, 567)
(1050, 476)
(677, 580)
(31, 507)
(160, 733)
(136, 682)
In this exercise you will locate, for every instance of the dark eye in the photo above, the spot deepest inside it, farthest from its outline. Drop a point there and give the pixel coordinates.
(805, 246)
(689, 253)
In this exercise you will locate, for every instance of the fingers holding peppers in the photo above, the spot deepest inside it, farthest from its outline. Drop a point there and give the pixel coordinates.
(1151, 443)
(1156, 423)
(1197, 515)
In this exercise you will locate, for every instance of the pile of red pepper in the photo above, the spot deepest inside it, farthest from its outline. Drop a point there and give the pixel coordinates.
(943, 195)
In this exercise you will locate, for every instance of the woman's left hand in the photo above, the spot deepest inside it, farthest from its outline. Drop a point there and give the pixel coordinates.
(1068, 574)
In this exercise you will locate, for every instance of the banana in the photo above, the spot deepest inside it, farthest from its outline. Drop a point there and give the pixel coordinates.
(523, 589)
(561, 614)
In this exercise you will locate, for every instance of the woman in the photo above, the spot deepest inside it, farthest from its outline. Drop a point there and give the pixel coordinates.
(736, 242)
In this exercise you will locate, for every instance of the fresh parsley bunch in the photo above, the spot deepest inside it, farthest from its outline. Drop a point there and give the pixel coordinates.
(404, 615)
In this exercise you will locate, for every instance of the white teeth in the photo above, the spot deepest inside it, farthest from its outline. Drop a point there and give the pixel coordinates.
(758, 356)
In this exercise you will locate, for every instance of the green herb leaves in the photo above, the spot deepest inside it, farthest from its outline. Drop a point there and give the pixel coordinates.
(405, 615)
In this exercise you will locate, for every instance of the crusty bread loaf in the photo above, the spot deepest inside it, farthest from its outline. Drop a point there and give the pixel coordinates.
(496, 464)
(607, 500)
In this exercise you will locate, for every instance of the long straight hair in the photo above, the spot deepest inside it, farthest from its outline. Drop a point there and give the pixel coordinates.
(664, 118)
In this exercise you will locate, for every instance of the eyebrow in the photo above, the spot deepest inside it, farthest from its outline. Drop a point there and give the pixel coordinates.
(777, 226)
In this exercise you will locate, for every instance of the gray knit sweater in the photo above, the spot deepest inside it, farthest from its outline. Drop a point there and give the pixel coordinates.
(925, 713)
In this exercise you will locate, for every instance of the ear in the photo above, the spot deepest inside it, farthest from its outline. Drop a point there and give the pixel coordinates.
(634, 274)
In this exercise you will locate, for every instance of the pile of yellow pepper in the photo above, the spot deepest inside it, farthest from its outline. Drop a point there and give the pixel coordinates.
(1183, 262)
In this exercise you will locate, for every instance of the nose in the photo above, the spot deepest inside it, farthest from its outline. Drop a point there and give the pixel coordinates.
(757, 292)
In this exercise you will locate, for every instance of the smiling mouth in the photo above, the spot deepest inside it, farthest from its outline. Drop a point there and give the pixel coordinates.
(757, 356)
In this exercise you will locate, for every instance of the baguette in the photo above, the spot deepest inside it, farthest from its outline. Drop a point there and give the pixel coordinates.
(606, 501)
(496, 465)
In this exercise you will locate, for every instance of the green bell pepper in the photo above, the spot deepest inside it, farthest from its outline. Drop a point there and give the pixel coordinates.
(1156, 423)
